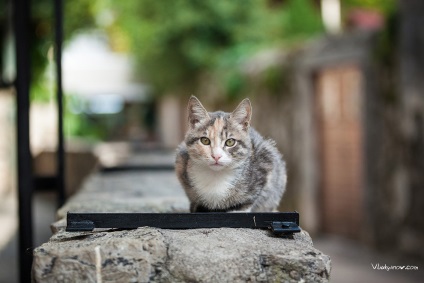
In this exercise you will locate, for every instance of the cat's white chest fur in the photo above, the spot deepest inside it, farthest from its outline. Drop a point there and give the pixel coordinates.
(213, 187)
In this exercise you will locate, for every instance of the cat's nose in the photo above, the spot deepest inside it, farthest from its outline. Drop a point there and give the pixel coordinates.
(216, 156)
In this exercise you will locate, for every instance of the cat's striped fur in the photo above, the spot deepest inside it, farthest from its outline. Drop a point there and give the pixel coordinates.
(225, 165)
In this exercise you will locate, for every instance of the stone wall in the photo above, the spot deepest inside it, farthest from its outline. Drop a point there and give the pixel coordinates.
(199, 255)
(398, 198)
(160, 255)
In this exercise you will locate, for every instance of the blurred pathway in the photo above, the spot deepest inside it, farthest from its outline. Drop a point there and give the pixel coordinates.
(44, 208)
(352, 263)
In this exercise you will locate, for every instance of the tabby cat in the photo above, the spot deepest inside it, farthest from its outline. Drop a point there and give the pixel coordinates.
(224, 165)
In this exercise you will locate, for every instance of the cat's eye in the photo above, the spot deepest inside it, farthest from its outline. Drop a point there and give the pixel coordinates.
(230, 142)
(205, 141)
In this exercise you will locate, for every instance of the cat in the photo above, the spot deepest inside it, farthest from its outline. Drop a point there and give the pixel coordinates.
(224, 165)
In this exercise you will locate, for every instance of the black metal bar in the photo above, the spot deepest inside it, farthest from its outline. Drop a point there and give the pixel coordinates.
(126, 168)
(45, 183)
(58, 15)
(278, 222)
(21, 23)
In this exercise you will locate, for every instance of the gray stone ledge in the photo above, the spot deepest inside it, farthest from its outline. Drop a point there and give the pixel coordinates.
(128, 192)
(161, 255)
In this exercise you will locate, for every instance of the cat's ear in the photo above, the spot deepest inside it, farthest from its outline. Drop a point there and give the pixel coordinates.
(196, 112)
(243, 114)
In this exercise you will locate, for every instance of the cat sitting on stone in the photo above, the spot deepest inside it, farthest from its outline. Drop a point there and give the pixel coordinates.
(224, 165)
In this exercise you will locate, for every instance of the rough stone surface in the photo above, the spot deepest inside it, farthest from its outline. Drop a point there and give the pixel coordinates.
(160, 255)
(197, 255)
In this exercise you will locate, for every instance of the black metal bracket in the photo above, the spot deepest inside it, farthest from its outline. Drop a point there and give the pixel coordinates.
(283, 228)
(280, 223)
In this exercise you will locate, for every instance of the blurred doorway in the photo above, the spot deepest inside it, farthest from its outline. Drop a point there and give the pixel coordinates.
(338, 103)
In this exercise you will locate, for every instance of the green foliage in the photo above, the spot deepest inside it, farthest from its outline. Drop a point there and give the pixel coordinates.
(90, 127)
(174, 42)
(78, 14)
(235, 84)
(273, 79)
(300, 20)
(41, 91)
(386, 7)
(93, 127)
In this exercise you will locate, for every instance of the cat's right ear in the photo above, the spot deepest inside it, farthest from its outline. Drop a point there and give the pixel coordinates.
(243, 114)
(196, 112)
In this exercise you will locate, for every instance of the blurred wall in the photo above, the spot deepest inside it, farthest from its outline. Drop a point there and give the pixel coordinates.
(43, 127)
(172, 113)
(80, 162)
(377, 181)
(7, 143)
(411, 105)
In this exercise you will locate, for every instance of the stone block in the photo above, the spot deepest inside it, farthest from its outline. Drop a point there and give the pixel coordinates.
(194, 255)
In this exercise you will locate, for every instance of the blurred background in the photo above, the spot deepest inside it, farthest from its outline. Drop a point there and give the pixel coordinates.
(339, 85)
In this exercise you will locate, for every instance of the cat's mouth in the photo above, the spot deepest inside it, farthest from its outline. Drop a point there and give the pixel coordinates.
(216, 165)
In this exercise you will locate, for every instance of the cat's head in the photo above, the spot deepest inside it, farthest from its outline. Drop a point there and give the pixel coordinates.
(218, 140)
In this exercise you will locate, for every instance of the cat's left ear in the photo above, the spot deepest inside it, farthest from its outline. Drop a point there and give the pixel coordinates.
(243, 114)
